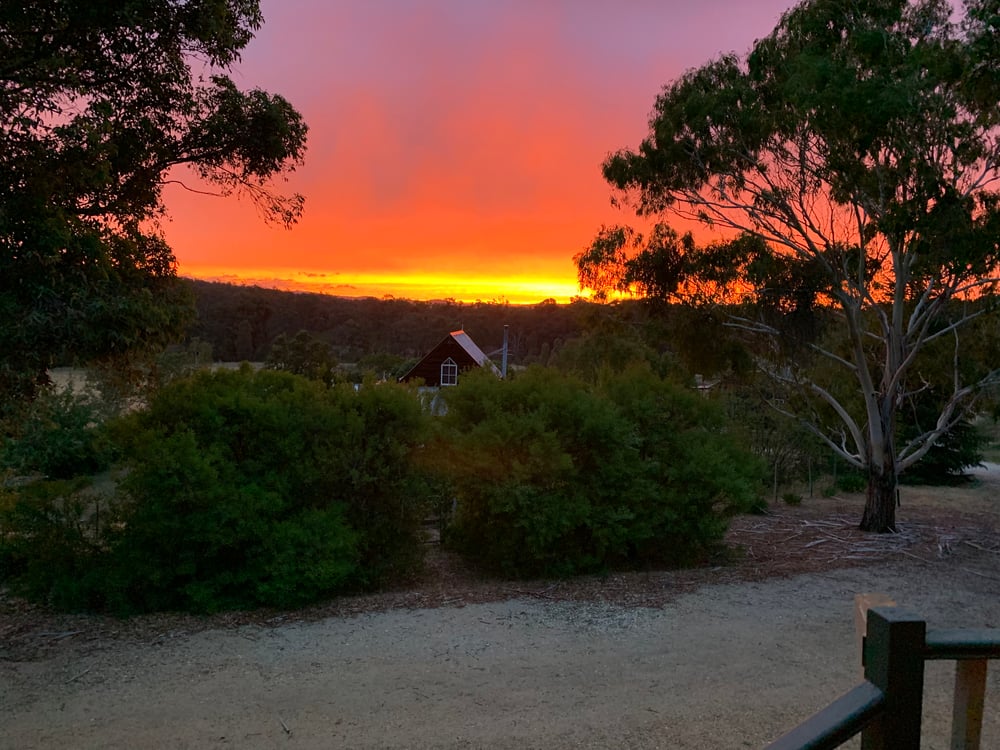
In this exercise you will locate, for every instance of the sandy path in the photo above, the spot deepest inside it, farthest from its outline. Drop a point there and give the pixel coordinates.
(727, 666)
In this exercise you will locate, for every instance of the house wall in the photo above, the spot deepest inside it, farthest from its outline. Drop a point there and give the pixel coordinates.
(429, 368)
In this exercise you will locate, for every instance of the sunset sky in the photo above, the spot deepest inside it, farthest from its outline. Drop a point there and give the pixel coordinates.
(455, 145)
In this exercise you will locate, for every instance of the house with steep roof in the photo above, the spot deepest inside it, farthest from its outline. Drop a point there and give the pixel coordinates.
(443, 364)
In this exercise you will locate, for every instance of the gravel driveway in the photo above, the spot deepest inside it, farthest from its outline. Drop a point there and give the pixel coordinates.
(727, 666)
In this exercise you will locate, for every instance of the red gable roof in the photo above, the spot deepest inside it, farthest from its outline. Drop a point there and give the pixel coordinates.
(460, 348)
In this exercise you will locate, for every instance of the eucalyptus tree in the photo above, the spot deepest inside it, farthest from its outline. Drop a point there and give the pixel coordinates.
(849, 161)
(102, 104)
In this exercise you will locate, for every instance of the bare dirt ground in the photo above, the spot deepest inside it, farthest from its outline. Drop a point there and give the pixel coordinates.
(731, 654)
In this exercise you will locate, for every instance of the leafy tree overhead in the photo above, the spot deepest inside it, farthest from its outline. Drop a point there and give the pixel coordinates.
(854, 155)
(101, 104)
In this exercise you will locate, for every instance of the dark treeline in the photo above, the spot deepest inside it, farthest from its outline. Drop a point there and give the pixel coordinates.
(241, 323)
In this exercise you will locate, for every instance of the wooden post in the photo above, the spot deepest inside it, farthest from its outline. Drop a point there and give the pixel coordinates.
(862, 603)
(894, 662)
(967, 716)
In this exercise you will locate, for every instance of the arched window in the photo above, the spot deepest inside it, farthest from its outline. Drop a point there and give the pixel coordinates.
(449, 372)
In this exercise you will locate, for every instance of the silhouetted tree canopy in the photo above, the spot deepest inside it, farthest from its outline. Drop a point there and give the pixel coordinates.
(850, 159)
(101, 104)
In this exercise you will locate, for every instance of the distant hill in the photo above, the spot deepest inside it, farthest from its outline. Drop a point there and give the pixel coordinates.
(241, 322)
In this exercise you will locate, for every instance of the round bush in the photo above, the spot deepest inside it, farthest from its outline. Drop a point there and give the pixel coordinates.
(553, 476)
(265, 489)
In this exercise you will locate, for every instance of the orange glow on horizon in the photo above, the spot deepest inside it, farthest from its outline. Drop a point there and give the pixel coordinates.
(516, 290)
(454, 148)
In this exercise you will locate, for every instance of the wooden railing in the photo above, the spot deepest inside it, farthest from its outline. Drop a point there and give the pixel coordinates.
(886, 707)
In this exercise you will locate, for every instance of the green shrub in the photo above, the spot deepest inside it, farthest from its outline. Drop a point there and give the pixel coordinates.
(696, 474)
(553, 476)
(48, 542)
(852, 480)
(250, 489)
(792, 498)
(945, 463)
(269, 489)
(59, 437)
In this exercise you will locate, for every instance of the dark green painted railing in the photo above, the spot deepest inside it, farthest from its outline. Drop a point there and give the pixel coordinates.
(886, 708)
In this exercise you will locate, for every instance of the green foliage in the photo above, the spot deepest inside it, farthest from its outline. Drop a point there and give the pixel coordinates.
(553, 476)
(267, 489)
(363, 330)
(610, 346)
(129, 378)
(961, 446)
(675, 341)
(852, 481)
(303, 354)
(383, 366)
(516, 452)
(100, 101)
(48, 543)
(123, 297)
(58, 436)
(849, 160)
(783, 442)
(698, 474)
(959, 449)
(247, 489)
